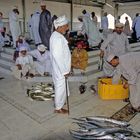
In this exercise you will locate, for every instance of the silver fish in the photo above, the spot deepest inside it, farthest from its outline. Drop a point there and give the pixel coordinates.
(107, 137)
(85, 125)
(104, 119)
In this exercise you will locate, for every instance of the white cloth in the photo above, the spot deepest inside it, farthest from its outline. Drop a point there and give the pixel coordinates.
(89, 27)
(61, 64)
(27, 65)
(104, 22)
(129, 67)
(116, 44)
(60, 21)
(104, 26)
(35, 26)
(14, 26)
(42, 63)
(137, 27)
(30, 28)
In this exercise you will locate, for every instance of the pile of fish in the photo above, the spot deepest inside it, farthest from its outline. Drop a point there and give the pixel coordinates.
(102, 128)
(41, 92)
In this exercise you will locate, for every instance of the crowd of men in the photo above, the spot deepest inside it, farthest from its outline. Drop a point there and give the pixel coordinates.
(53, 56)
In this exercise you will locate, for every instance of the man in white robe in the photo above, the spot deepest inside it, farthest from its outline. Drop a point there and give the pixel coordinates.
(42, 63)
(105, 24)
(116, 43)
(61, 62)
(24, 67)
(128, 66)
(91, 30)
(30, 28)
(14, 25)
(35, 27)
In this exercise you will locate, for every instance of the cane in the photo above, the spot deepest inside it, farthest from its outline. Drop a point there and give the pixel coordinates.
(67, 95)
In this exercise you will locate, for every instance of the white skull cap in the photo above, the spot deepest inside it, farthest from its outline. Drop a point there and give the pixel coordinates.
(60, 21)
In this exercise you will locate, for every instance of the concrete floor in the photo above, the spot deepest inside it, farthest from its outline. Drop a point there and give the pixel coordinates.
(23, 119)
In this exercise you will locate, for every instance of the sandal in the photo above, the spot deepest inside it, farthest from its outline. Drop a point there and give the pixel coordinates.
(61, 111)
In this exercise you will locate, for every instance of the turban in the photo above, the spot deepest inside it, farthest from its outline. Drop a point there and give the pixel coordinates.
(110, 57)
(23, 48)
(60, 21)
(41, 48)
(119, 25)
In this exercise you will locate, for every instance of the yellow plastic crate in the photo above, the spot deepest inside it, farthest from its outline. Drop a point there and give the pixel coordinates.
(107, 91)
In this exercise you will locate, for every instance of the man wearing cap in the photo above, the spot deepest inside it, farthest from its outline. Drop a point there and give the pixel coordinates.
(14, 25)
(45, 25)
(61, 62)
(42, 63)
(116, 43)
(128, 66)
(24, 65)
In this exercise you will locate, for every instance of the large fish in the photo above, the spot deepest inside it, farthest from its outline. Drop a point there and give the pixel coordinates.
(104, 119)
(107, 137)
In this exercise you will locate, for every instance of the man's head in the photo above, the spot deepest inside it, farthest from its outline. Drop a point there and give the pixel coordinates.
(1, 15)
(43, 6)
(61, 24)
(137, 14)
(23, 50)
(119, 28)
(15, 9)
(126, 18)
(20, 39)
(113, 60)
(41, 48)
(105, 14)
(84, 11)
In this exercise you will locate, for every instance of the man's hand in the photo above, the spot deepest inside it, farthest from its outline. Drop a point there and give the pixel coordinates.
(19, 67)
(101, 53)
(125, 85)
(67, 75)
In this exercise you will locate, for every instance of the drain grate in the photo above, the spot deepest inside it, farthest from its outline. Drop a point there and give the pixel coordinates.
(125, 114)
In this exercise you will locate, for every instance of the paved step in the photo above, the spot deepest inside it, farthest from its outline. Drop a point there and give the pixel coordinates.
(5, 62)
(7, 55)
(135, 45)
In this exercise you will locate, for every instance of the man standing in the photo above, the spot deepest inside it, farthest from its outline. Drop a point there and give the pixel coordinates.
(104, 24)
(14, 25)
(128, 66)
(61, 62)
(116, 43)
(30, 28)
(45, 25)
(35, 27)
(91, 30)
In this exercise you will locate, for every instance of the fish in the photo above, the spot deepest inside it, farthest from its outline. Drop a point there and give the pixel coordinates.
(95, 123)
(109, 120)
(107, 137)
(86, 125)
(38, 97)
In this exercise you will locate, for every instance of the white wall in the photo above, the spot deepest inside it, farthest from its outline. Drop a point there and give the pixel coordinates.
(54, 7)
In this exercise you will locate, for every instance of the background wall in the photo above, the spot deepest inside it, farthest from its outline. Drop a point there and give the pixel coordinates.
(60, 9)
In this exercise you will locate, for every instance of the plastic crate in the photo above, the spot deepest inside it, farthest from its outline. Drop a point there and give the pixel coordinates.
(107, 91)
